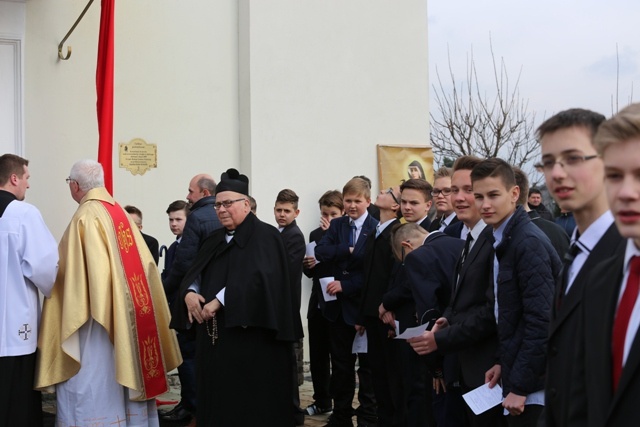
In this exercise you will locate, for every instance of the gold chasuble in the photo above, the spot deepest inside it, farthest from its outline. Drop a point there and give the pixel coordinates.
(102, 275)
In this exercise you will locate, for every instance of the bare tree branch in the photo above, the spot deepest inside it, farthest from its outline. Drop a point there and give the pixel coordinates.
(467, 119)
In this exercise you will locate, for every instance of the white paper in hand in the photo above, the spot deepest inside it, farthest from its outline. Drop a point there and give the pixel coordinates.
(359, 343)
(311, 251)
(324, 282)
(483, 398)
(412, 332)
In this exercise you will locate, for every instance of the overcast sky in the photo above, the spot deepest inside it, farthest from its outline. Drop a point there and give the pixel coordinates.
(565, 49)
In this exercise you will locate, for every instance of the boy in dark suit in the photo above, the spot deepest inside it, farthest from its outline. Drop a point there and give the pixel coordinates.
(445, 214)
(575, 178)
(611, 307)
(286, 211)
(414, 407)
(331, 207)
(379, 264)
(152, 242)
(525, 270)
(343, 247)
(468, 325)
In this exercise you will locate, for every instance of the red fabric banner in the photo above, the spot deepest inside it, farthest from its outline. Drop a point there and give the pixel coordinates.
(146, 331)
(104, 89)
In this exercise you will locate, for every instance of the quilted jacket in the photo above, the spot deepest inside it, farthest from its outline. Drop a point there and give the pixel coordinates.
(529, 269)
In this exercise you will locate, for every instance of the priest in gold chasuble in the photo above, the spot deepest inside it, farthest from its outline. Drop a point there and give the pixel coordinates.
(105, 343)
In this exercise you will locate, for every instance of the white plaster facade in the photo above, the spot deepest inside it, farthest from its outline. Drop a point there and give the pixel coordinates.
(294, 93)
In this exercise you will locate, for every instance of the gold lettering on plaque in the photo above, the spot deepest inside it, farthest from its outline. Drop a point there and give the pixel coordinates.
(138, 157)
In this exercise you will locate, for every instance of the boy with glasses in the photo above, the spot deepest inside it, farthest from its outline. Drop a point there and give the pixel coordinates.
(575, 178)
(445, 215)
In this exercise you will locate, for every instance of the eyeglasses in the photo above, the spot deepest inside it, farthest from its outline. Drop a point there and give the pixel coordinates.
(68, 180)
(227, 203)
(436, 191)
(571, 160)
(395, 199)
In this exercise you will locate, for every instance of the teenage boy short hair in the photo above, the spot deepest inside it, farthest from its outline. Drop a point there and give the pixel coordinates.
(178, 205)
(357, 186)
(288, 196)
(523, 183)
(253, 205)
(466, 163)
(620, 128)
(420, 185)
(494, 168)
(578, 117)
(332, 198)
(443, 172)
(365, 178)
(405, 233)
(132, 210)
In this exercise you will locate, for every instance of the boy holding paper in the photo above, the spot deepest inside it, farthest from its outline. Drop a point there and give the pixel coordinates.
(526, 269)
(319, 344)
(343, 247)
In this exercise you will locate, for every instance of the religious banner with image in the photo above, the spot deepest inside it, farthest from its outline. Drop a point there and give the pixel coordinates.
(397, 163)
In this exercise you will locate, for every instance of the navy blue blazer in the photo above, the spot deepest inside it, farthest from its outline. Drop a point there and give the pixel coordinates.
(347, 266)
(429, 271)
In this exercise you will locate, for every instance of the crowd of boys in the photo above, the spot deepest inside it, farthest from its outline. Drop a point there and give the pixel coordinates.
(503, 296)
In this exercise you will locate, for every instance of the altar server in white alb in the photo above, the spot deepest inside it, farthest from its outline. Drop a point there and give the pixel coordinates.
(28, 263)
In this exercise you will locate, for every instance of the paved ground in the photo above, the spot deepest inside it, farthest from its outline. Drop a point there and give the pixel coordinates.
(306, 393)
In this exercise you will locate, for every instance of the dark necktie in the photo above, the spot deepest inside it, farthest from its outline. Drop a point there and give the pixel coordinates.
(569, 256)
(352, 234)
(621, 322)
(463, 258)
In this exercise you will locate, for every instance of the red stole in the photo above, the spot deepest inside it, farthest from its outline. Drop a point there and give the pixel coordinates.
(149, 351)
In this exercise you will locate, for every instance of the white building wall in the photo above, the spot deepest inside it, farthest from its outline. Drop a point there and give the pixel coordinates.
(293, 93)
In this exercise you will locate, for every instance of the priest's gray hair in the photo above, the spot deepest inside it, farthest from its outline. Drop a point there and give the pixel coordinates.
(88, 174)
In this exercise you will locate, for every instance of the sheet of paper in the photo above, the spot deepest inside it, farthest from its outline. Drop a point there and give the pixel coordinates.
(311, 250)
(324, 282)
(483, 398)
(397, 327)
(359, 343)
(412, 332)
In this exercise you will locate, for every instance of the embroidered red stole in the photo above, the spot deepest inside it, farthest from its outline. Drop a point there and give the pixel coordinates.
(149, 351)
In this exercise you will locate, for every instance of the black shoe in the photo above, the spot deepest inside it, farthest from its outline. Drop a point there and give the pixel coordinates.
(298, 418)
(335, 423)
(180, 415)
(314, 409)
(165, 412)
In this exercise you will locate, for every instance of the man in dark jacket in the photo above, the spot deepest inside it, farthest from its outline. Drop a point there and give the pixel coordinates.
(557, 236)
(201, 222)
(525, 271)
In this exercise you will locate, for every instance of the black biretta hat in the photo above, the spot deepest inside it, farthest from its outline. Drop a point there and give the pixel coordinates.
(231, 180)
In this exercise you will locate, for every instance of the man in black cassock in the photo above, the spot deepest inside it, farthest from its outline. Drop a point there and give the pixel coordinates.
(239, 294)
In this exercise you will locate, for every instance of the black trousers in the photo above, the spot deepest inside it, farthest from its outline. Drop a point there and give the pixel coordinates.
(417, 408)
(320, 358)
(187, 371)
(529, 418)
(20, 405)
(343, 378)
(387, 384)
